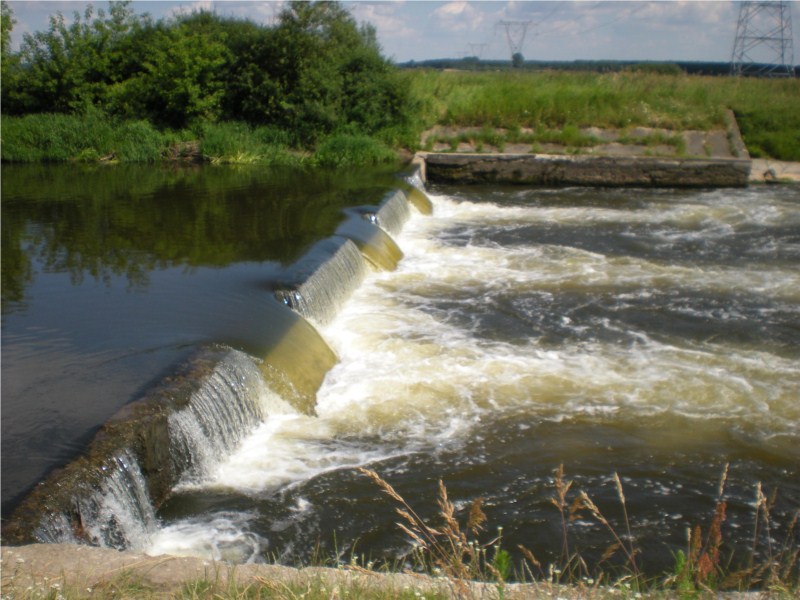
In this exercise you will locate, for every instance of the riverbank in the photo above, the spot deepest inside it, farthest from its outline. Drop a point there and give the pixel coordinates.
(601, 157)
(76, 572)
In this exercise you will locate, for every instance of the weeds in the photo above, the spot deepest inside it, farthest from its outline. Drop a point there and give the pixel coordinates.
(465, 567)
(450, 550)
(83, 138)
(456, 552)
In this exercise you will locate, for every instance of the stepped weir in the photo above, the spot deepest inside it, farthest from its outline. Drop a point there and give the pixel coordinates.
(185, 424)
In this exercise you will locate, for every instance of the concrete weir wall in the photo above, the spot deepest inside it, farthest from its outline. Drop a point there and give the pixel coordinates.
(598, 171)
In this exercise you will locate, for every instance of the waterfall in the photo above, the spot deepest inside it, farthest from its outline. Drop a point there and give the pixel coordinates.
(328, 274)
(181, 428)
(392, 212)
(375, 244)
(417, 195)
(117, 514)
(230, 403)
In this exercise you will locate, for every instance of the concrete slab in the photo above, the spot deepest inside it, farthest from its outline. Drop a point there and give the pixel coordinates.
(770, 171)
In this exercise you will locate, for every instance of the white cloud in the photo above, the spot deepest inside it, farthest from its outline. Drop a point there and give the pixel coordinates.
(459, 16)
(187, 8)
(386, 18)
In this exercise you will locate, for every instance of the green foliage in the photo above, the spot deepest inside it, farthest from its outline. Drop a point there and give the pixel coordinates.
(72, 66)
(181, 83)
(330, 74)
(87, 137)
(236, 142)
(7, 23)
(345, 150)
(314, 73)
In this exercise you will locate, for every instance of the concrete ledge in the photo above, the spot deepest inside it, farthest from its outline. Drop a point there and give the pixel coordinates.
(599, 171)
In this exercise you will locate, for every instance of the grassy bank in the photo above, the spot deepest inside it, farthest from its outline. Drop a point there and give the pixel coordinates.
(508, 107)
(94, 137)
(556, 105)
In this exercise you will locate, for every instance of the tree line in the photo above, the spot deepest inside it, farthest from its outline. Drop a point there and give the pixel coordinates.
(313, 73)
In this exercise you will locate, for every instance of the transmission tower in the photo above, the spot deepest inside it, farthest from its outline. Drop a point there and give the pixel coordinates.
(763, 44)
(477, 49)
(515, 33)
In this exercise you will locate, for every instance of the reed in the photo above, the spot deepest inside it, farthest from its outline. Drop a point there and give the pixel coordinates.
(456, 553)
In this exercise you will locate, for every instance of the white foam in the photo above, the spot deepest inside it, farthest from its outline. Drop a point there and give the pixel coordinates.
(224, 536)
(410, 379)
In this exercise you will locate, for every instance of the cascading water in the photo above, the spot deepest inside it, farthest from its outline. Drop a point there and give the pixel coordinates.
(231, 403)
(599, 330)
(326, 283)
(110, 503)
(118, 513)
(393, 212)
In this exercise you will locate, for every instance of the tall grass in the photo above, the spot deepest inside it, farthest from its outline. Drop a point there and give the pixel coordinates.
(95, 137)
(88, 137)
(238, 143)
(349, 150)
(456, 553)
(768, 110)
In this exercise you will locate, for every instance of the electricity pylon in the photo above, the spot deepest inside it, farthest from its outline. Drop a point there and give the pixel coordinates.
(477, 50)
(515, 33)
(766, 28)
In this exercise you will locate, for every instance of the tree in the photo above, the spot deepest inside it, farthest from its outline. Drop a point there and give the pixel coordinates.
(517, 60)
(330, 73)
(9, 61)
(7, 23)
(183, 76)
(70, 67)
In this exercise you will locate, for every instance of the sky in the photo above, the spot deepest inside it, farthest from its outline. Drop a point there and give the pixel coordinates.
(666, 30)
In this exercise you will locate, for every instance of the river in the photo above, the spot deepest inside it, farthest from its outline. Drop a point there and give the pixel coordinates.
(651, 334)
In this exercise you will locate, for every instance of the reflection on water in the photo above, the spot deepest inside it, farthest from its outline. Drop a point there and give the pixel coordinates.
(111, 275)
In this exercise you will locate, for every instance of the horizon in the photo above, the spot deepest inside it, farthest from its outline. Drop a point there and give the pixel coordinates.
(555, 31)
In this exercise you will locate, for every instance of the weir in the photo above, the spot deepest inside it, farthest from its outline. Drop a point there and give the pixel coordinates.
(323, 279)
(232, 401)
(182, 427)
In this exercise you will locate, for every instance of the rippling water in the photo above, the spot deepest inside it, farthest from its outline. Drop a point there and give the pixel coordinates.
(653, 334)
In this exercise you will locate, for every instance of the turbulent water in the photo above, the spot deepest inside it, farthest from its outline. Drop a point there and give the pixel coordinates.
(653, 334)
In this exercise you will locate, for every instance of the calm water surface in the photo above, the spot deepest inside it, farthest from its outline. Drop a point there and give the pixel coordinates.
(655, 334)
